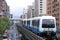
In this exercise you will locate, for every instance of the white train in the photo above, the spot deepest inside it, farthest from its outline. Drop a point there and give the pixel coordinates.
(43, 26)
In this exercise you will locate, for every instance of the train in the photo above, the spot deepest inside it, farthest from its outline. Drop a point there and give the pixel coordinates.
(44, 26)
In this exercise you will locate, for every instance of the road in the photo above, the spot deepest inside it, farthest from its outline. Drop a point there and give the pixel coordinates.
(13, 33)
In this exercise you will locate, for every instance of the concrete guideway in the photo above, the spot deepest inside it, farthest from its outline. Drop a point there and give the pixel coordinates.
(29, 35)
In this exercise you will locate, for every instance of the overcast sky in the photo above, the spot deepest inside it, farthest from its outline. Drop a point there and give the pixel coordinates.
(16, 6)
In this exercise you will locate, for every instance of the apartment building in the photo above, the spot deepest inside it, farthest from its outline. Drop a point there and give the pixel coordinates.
(24, 15)
(4, 9)
(53, 9)
(29, 12)
(40, 7)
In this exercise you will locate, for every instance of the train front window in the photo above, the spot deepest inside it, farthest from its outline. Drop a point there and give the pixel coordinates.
(48, 23)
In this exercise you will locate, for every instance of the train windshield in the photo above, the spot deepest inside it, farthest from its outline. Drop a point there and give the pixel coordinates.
(48, 23)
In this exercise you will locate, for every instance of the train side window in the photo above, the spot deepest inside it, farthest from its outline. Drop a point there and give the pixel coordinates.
(28, 22)
(24, 22)
(35, 23)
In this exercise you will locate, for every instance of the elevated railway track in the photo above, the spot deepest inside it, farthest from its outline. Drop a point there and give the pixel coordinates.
(30, 35)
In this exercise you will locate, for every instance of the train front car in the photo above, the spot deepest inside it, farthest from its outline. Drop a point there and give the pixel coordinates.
(48, 26)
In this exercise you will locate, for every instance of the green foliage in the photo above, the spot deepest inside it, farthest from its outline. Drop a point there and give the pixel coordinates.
(4, 24)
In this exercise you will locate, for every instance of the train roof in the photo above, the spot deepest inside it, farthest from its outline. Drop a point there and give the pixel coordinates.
(51, 17)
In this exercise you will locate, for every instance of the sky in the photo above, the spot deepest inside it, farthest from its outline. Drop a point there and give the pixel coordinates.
(16, 6)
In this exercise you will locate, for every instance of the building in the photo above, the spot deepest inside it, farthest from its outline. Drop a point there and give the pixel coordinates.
(53, 9)
(28, 13)
(1, 6)
(24, 15)
(31, 11)
(4, 9)
(40, 7)
(7, 11)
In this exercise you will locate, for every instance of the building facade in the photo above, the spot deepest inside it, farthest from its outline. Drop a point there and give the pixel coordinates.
(40, 7)
(24, 15)
(4, 9)
(29, 12)
(1, 7)
(53, 9)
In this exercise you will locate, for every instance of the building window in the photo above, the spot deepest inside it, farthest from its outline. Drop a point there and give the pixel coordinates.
(40, 7)
(40, 0)
(55, 0)
(3, 10)
(40, 4)
(0, 15)
(54, 6)
(49, 8)
(57, 14)
(49, 0)
(48, 12)
(54, 10)
(57, 4)
(49, 3)
(57, 18)
(40, 11)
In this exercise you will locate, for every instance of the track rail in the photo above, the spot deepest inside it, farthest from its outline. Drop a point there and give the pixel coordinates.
(29, 35)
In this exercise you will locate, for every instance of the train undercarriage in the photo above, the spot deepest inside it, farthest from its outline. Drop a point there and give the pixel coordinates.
(49, 35)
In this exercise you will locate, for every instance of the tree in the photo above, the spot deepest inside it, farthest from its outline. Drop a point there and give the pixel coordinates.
(4, 24)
